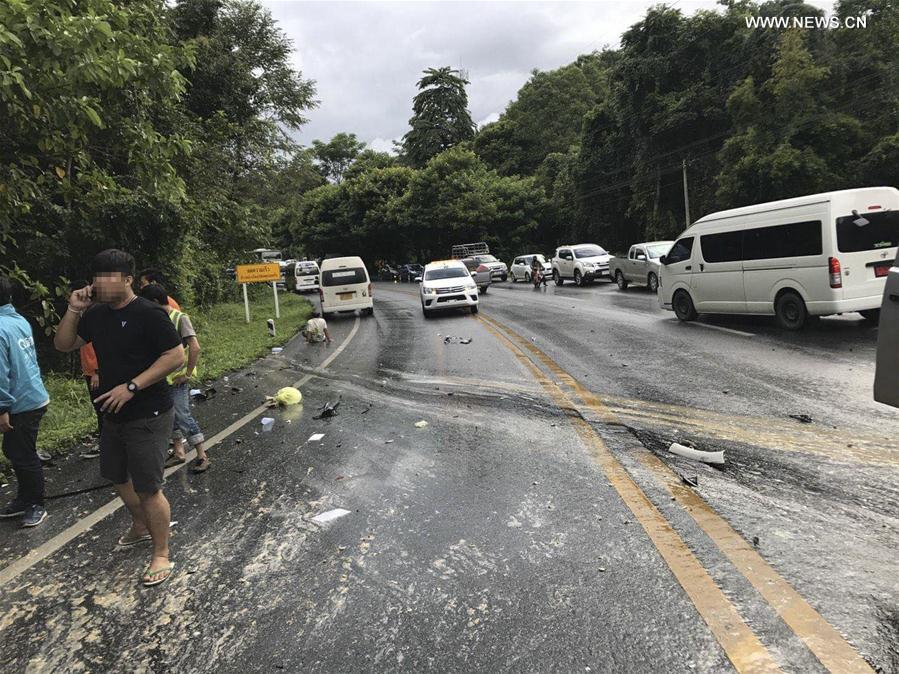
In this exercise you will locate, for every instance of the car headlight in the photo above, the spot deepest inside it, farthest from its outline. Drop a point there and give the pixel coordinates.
(428, 291)
(471, 286)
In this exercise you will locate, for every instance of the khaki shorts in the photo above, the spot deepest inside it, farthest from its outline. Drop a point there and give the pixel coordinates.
(136, 450)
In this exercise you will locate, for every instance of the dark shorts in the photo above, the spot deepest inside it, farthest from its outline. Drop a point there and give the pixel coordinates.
(136, 450)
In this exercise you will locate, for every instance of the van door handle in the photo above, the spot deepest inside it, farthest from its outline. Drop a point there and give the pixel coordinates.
(688, 267)
(701, 267)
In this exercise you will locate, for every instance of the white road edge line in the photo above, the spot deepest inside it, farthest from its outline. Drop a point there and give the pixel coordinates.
(43, 551)
(722, 329)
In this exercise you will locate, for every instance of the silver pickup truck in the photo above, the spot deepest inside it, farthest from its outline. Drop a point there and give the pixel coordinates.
(640, 266)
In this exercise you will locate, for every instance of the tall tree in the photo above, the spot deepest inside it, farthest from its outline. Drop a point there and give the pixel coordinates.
(336, 156)
(440, 116)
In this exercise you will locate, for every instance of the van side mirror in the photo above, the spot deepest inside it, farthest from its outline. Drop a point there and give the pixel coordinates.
(664, 259)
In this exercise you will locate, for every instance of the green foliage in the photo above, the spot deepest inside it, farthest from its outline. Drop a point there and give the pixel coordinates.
(440, 116)
(335, 157)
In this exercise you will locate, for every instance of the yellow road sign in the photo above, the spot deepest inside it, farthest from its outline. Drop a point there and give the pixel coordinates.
(258, 273)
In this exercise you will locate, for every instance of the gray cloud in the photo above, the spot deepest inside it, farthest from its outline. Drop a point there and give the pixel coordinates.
(367, 56)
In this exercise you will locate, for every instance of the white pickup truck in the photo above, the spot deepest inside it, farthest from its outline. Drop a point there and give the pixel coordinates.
(640, 266)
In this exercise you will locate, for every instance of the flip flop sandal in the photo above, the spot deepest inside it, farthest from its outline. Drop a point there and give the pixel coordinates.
(173, 461)
(199, 466)
(165, 572)
(127, 541)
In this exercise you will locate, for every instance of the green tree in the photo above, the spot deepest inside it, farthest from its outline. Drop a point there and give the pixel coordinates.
(336, 156)
(440, 116)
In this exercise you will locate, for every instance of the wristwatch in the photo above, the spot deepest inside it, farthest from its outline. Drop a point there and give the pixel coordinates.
(132, 387)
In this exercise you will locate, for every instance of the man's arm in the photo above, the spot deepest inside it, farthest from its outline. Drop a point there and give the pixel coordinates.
(67, 338)
(6, 398)
(193, 354)
(168, 361)
(328, 335)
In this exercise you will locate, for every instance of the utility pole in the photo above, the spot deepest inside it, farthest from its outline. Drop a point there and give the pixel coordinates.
(686, 196)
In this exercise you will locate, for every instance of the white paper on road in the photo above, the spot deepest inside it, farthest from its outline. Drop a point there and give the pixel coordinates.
(315, 437)
(330, 516)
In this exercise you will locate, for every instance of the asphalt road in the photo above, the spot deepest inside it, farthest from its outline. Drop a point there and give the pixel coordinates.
(537, 523)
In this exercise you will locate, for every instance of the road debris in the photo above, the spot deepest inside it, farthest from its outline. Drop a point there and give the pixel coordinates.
(203, 395)
(44, 456)
(277, 349)
(267, 424)
(696, 454)
(330, 516)
(284, 397)
(421, 424)
(315, 437)
(236, 389)
(692, 481)
(456, 340)
(328, 410)
(804, 418)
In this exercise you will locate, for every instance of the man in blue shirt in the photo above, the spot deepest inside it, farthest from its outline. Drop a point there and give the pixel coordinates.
(23, 402)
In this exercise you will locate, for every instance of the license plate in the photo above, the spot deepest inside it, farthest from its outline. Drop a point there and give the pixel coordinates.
(881, 270)
(346, 296)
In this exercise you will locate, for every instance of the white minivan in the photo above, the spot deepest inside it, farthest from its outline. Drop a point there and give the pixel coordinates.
(345, 286)
(817, 255)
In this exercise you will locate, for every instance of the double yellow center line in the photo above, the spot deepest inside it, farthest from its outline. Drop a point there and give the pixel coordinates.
(744, 649)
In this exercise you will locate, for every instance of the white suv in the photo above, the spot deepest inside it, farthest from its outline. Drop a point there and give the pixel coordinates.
(446, 285)
(582, 263)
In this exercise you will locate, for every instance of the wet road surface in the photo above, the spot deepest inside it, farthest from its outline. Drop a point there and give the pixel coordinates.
(537, 523)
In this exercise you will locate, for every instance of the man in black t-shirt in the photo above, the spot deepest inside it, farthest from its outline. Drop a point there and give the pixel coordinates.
(136, 346)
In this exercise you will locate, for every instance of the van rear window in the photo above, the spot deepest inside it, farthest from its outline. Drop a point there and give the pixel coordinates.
(882, 231)
(342, 277)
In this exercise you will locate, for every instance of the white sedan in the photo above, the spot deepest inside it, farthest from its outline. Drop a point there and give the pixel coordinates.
(447, 285)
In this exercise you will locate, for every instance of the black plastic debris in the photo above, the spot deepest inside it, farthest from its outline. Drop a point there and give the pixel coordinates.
(236, 389)
(449, 339)
(804, 418)
(197, 394)
(328, 410)
(693, 481)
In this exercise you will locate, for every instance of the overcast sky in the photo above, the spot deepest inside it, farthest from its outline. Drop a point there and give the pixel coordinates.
(367, 56)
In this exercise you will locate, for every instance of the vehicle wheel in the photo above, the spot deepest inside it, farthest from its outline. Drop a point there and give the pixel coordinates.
(790, 311)
(425, 312)
(557, 278)
(484, 290)
(653, 282)
(527, 277)
(683, 306)
(474, 309)
(871, 315)
(578, 279)
(368, 312)
(620, 280)
(505, 277)
(512, 276)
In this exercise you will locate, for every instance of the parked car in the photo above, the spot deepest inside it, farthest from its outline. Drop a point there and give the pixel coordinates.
(886, 375)
(480, 273)
(411, 273)
(640, 266)
(520, 269)
(388, 273)
(447, 285)
(583, 263)
(815, 255)
(302, 276)
(345, 286)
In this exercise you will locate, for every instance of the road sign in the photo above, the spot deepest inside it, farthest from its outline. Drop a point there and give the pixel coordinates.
(258, 273)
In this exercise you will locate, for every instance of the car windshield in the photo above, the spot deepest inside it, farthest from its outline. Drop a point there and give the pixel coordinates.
(445, 272)
(416, 267)
(658, 250)
(485, 258)
(307, 268)
(588, 251)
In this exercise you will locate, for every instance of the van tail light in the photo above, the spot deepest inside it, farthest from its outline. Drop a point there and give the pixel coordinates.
(369, 290)
(836, 273)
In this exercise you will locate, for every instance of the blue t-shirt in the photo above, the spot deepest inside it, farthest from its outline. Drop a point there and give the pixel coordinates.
(21, 386)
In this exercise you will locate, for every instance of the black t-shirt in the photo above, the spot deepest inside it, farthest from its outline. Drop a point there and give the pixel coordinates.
(127, 342)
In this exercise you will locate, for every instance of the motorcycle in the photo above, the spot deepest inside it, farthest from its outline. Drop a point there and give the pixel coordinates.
(538, 277)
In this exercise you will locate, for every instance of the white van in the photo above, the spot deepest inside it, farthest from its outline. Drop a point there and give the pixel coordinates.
(345, 286)
(822, 254)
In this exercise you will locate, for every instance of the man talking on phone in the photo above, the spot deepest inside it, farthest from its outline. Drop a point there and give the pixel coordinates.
(136, 346)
